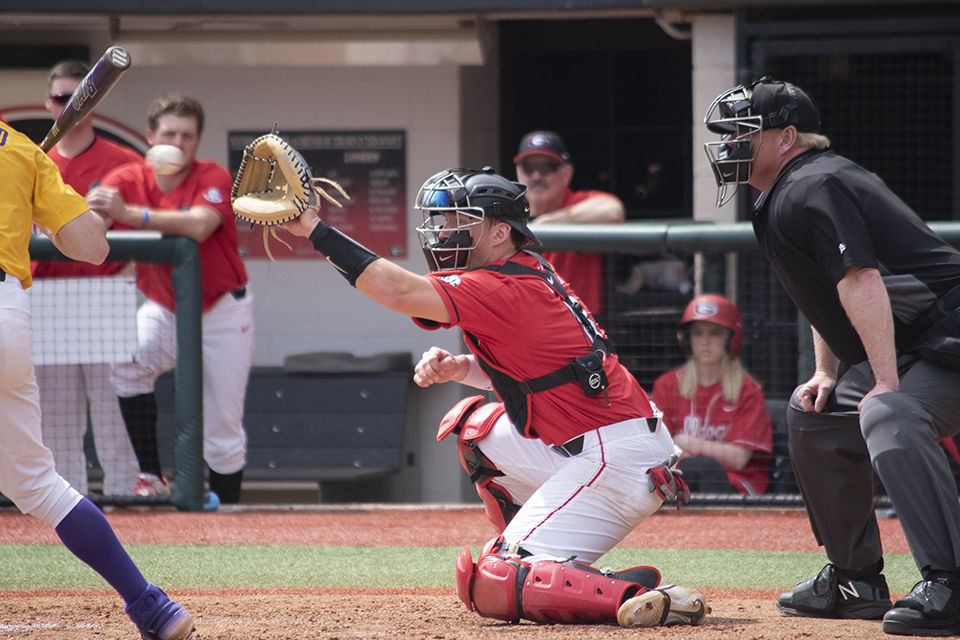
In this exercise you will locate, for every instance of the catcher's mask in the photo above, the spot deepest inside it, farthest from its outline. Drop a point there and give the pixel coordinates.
(711, 307)
(454, 204)
(741, 112)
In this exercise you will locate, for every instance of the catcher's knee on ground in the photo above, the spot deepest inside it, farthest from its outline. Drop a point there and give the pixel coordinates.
(502, 585)
(471, 421)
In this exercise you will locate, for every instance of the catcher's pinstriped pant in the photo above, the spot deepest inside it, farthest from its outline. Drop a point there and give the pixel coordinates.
(27, 473)
(579, 506)
(899, 433)
(227, 356)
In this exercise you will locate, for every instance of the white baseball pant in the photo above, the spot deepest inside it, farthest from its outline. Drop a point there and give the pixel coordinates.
(582, 505)
(28, 476)
(227, 356)
(65, 391)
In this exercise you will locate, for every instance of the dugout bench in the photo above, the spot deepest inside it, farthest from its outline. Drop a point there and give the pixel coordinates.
(320, 418)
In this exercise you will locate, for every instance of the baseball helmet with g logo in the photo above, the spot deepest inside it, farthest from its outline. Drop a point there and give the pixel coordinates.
(715, 308)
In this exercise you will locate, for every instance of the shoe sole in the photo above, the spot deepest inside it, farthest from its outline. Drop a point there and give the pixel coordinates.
(179, 628)
(645, 610)
(902, 629)
(864, 613)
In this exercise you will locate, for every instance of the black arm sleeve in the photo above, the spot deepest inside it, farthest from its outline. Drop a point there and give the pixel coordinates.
(347, 255)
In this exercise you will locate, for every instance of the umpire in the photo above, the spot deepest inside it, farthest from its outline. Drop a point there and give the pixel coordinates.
(881, 292)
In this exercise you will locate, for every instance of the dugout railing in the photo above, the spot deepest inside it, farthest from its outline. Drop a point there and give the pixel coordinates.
(183, 254)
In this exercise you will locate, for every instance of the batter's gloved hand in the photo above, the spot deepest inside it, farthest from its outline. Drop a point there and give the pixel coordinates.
(667, 482)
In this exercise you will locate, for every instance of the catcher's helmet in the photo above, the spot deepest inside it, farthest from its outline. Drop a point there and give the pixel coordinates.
(455, 201)
(712, 307)
(739, 113)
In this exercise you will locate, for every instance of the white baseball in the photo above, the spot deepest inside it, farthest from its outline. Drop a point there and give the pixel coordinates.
(165, 159)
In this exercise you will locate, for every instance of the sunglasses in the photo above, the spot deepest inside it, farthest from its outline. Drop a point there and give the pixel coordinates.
(543, 168)
(61, 99)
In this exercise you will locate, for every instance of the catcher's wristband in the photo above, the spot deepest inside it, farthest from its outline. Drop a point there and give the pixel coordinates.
(343, 252)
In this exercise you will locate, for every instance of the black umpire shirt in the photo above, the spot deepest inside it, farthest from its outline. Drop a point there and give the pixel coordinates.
(825, 214)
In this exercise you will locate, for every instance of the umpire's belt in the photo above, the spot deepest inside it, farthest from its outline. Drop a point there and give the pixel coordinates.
(608, 433)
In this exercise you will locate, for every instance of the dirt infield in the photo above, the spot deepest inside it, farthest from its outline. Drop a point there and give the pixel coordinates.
(427, 614)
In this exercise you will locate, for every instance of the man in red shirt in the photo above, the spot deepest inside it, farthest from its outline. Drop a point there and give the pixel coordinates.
(194, 202)
(544, 166)
(574, 445)
(68, 389)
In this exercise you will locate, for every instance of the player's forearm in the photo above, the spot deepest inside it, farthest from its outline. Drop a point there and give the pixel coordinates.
(824, 359)
(475, 377)
(865, 300)
(730, 456)
(197, 223)
(605, 209)
(83, 238)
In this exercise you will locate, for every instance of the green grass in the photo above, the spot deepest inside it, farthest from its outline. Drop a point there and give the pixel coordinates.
(32, 567)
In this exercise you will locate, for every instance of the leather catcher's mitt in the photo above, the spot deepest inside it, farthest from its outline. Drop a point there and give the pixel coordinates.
(274, 185)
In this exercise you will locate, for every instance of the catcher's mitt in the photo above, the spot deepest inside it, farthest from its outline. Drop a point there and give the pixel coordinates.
(263, 195)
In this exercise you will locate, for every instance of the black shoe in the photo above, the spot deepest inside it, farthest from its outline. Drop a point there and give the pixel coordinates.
(833, 594)
(932, 608)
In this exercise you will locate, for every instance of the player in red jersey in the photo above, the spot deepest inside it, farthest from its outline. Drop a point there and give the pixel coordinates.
(194, 202)
(714, 409)
(543, 164)
(574, 457)
(68, 390)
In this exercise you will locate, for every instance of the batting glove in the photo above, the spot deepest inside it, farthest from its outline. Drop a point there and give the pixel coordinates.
(667, 482)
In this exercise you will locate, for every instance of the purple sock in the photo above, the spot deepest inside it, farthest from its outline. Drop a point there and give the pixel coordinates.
(88, 535)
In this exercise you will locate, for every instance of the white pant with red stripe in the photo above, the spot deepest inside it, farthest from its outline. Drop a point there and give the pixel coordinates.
(227, 356)
(579, 506)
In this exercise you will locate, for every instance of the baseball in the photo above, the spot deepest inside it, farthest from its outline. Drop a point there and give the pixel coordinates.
(165, 159)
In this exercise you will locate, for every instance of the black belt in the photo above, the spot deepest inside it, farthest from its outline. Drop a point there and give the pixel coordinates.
(570, 448)
(238, 294)
(574, 447)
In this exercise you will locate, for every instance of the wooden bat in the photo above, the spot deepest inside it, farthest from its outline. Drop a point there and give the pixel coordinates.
(88, 94)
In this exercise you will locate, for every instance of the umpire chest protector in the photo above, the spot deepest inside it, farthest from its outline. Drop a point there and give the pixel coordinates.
(587, 370)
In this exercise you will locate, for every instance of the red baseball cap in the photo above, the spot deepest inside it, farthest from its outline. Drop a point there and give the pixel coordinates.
(545, 143)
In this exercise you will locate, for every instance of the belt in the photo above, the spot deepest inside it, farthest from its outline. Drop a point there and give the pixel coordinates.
(574, 446)
(570, 448)
(238, 294)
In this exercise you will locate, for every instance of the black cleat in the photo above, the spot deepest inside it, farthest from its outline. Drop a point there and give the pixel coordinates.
(932, 608)
(832, 594)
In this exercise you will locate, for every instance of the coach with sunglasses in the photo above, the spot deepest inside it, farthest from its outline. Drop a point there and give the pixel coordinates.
(543, 164)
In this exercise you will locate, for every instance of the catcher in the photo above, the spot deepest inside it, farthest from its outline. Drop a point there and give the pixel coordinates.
(574, 457)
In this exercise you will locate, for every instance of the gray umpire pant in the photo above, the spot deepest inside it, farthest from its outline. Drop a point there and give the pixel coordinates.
(834, 455)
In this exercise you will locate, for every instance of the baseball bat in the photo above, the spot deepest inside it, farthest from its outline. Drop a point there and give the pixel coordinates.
(88, 94)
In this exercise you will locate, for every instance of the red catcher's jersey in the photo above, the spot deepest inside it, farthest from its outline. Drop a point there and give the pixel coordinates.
(708, 415)
(82, 172)
(523, 328)
(584, 271)
(207, 184)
